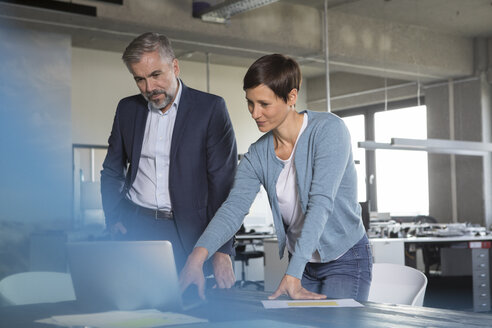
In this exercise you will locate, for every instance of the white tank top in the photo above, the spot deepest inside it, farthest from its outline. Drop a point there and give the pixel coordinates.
(288, 199)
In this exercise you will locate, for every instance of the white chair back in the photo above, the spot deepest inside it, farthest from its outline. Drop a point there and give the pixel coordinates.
(397, 284)
(36, 287)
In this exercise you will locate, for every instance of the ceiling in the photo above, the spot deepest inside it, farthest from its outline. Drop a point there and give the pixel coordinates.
(469, 18)
(237, 43)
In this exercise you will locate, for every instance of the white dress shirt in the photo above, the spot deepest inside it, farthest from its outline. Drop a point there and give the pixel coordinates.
(151, 186)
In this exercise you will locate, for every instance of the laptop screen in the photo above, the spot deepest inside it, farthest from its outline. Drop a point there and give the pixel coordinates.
(124, 275)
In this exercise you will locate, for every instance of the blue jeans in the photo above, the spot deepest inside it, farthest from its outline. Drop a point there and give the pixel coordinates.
(346, 277)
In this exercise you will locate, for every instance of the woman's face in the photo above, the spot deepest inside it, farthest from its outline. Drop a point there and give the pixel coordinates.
(268, 110)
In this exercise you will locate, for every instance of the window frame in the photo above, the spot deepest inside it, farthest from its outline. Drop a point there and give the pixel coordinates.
(369, 111)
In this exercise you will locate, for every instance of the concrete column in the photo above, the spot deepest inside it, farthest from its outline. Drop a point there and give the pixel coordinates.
(35, 129)
(440, 197)
(469, 172)
(486, 94)
(483, 59)
(371, 183)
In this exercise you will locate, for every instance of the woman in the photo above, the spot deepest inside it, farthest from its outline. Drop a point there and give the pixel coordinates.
(305, 163)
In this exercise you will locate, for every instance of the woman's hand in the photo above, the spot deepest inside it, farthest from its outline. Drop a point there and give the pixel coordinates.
(292, 287)
(192, 272)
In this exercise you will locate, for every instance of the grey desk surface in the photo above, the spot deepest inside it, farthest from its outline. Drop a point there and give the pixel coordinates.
(435, 239)
(255, 236)
(237, 308)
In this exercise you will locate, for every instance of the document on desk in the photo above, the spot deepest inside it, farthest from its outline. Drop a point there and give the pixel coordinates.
(281, 304)
(127, 319)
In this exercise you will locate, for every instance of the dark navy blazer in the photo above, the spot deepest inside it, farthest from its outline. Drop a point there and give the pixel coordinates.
(202, 162)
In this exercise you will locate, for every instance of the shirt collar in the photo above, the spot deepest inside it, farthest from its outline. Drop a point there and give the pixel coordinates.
(177, 99)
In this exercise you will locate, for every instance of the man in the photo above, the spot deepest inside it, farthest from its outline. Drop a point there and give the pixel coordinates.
(171, 157)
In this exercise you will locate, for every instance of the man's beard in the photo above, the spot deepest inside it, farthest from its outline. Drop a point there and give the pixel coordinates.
(166, 101)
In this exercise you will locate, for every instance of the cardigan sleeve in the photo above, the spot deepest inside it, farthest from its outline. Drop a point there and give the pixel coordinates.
(230, 215)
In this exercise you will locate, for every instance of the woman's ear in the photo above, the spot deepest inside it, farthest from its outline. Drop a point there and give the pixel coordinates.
(292, 97)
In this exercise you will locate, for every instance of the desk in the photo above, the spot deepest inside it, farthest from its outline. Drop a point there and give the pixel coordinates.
(274, 266)
(243, 306)
(392, 250)
(250, 243)
(254, 237)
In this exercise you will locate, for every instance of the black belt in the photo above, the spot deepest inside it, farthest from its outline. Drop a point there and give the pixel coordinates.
(156, 214)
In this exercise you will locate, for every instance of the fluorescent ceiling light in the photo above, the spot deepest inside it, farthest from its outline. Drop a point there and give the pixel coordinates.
(439, 146)
(442, 144)
(222, 12)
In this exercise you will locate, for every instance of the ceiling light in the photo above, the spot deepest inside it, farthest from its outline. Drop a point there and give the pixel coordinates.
(440, 146)
(222, 12)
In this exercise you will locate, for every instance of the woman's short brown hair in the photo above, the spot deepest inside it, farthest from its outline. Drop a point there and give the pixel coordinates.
(278, 72)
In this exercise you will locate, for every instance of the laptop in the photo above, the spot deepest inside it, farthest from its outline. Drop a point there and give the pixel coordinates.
(125, 275)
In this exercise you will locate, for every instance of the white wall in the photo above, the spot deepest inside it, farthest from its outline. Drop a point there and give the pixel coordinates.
(100, 80)
(225, 81)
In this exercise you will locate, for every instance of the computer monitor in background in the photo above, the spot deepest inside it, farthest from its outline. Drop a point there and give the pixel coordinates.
(260, 217)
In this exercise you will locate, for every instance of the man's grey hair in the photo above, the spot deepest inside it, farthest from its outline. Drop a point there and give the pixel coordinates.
(145, 43)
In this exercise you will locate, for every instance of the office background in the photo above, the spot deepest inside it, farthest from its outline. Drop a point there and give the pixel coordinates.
(62, 77)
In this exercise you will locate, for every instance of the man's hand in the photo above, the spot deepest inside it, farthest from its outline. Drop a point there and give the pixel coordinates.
(117, 228)
(192, 272)
(292, 287)
(224, 275)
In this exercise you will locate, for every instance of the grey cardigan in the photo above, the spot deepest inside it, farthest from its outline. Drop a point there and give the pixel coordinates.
(327, 186)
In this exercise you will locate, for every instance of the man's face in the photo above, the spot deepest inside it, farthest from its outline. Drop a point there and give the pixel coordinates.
(157, 79)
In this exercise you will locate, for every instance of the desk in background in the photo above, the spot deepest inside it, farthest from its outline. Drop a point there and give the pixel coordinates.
(274, 266)
(240, 308)
(392, 250)
(250, 255)
(253, 238)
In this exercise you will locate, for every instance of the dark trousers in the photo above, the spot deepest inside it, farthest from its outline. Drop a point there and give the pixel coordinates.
(141, 226)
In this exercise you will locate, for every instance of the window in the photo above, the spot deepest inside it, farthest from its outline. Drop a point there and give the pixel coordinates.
(402, 178)
(87, 165)
(355, 125)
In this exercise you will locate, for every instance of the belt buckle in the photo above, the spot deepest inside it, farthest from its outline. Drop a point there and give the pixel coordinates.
(164, 216)
(156, 215)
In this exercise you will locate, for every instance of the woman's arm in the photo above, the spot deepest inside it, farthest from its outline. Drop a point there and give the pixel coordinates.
(224, 224)
(230, 215)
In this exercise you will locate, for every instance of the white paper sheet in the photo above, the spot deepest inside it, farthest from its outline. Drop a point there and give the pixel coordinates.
(125, 319)
(281, 304)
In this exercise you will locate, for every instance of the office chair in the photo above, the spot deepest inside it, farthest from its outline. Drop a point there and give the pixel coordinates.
(431, 253)
(244, 256)
(36, 287)
(397, 284)
(365, 214)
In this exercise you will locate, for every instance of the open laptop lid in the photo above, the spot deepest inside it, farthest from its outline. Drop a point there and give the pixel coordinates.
(124, 275)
